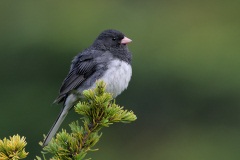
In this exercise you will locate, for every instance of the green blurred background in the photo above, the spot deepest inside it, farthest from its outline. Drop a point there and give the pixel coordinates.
(185, 87)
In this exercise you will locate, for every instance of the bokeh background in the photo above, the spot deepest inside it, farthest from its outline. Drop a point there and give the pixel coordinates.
(185, 87)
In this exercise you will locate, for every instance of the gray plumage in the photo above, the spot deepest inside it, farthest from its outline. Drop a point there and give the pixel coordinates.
(107, 59)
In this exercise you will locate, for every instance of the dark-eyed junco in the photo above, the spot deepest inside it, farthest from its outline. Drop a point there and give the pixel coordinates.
(107, 59)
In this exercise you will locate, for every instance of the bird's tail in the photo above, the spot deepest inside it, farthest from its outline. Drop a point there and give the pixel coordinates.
(55, 126)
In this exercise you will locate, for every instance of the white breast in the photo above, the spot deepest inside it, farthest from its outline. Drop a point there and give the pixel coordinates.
(117, 77)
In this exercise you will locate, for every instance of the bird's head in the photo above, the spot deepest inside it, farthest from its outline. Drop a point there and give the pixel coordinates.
(112, 39)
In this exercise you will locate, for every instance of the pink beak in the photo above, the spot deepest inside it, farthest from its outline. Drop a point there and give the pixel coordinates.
(125, 40)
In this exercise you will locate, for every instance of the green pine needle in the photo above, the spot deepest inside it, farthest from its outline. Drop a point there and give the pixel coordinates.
(13, 148)
(98, 110)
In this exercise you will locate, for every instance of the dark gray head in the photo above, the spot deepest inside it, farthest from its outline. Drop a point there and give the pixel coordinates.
(111, 39)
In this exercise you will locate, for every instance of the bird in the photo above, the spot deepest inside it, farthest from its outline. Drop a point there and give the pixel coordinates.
(107, 59)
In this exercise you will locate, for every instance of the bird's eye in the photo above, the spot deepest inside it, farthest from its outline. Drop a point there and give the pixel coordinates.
(114, 39)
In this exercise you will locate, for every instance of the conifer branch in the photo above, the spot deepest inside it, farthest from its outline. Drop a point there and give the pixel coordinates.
(98, 110)
(13, 148)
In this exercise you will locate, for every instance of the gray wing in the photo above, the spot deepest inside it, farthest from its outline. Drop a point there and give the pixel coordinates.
(83, 66)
